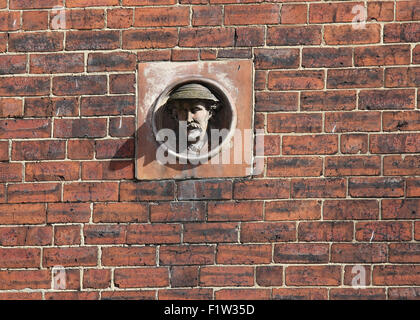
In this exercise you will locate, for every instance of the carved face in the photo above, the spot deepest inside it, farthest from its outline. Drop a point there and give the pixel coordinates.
(196, 113)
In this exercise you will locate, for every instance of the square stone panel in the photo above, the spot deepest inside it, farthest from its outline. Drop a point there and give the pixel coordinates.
(155, 79)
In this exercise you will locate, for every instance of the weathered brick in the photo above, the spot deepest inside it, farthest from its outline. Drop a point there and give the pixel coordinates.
(146, 191)
(313, 275)
(300, 294)
(37, 192)
(243, 254)
(294, 122)
(11, 107)
(91, 3)
(360, 252)
(410, 293)
(325, 231)
(243, 294)
(119, 18)
(97, 278)
(108, 105)
(402, 166)
(376, 187)
(51, 107)
(72, 295)
(4, 150)
(328, 100)
(38, 150)
(294, 166)
(184, 276)
(23, 279)
(52, 171)
(129, 295)
(79, 128)
(114, 148)
(404, 253)
(120, 212)
(20, 257)
(107, 170)
(293, 13)
(206, 37)
(332, 12)
(400, 209)
(149, 38)
(10, 172)
(85, 19)
(404, 32)
(276, 58)
(210, 232)
(382, 55)
(105, 234)
(161, 17)
(68, 212)
(296, 80)
(153, 233)
(80, 149)
(383, 231)
(396, 275)
(413, 187)
(154, 55)
(354, 78)
(92, 40)
(401, 121)
(129, 256)
(204, 189)
(292, 210)
(12, 64)
(354, 143)
(186, 294)
(346, 34)
(207, 15)
(276, 101)
(212, 276)
(327, 57)
(35, 20)
(116, 61)
(122, 83)
(357, 294)
(353, 166)
(267, 276)
(148, 277)
(380, 11)
(187, 255)
(395, 143)
(268, 231)
(67, 235)
(91, 191)
(313, 144)
(36, 41)
(402, 77)
(178, 211)
(34, 4)
(293, 36)
(24, 86)
(387, 99)
(351, 210)
(72, 256)
(301, 253)
(235, 211)
(184, 55)
(79, 85)
(249, 36)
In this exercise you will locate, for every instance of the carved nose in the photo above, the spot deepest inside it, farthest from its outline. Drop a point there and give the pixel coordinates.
(189, 117)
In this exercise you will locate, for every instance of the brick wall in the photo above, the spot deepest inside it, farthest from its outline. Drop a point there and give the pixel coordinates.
(339, 104)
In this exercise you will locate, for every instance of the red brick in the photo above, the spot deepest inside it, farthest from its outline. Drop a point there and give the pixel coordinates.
(38, 192)
(411, 293)
(353, 166)
(80, 149)
(146, 191)
(114, 148)
(325, 231)
(185, 276)
(360, 252)
(301, 253)
(260, 80)
(354, 143)
(105, 234)
(97, 278)
(251, 14)
(113, 105)
(276, 58)
(405, 32)
(107, 170)
(79, 128)
(9, 21)
(119, 18)
(211, 232)
(387, 99)
(25, 279)
(12, 64)
(293, 36)
(51, 107)
(207, 15)
(154, 55)
(116, 61)
(3, 42)
(243, 254)
(401, 121)
(184, 55)
(400, 209)
(153, 233)
(4, 150)
(272, 145)
(85, 19)
(72, 256)
(20, 295)
(395, 143)
(328, 100)
(10, 107)
(149, 38)
(161, 17)
(20, 258)
(313, 276)
(178, 211)
(292, 210)
(10, 172)
(204, 189)
(24, 86)
(67, 235)
(92, 40)
(354, 78)
(293, 13)
(91, 191)
(327, 57)
(402, 166)
(186, 294)
(294, 167)
(91, 3)
(380, 11)
(396, 275)
(52, 171)
(407, 11)
(300, 294)
(416, 54)
(268, 231)
(226, 276)
(376, 187)
(38, 150)
(296, 80)
(318, 188)
(243, 294)
(413, 187)
(402, 77)
(129, 256)
(346, 34)
(120, 212)
(235, 211)
(249, 36)
(79, 85)
(36, 42)
(187, 255)
(276, 101)
(148, 277)
(75, 295)
(417, 230)
(34, 4)
(208, 54)
(358, 294)
(294, 122)
(382, 55)
(68, 212)
(332, 12)
(268, 276)
(261, 189)
(122, 83)
(206, 37)
(404, 253)
(383, 231)
(351, 210)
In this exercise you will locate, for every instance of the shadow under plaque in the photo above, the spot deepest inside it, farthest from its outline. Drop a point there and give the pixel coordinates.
(169, 91)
